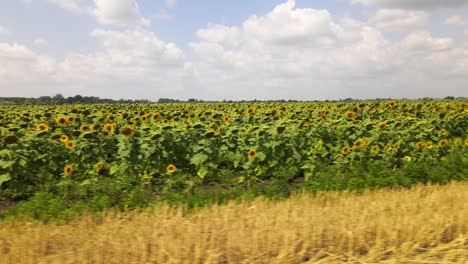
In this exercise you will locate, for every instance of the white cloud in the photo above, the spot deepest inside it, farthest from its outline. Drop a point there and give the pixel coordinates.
(70, 5)
(397, 19)
(40, 42)
(456, 21)
(307, 53)
(413, 4)
(119, 12)
(171, 3)
(4, 30)
(130, 64)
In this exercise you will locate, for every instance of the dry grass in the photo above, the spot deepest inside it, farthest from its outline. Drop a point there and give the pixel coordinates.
(423, 225)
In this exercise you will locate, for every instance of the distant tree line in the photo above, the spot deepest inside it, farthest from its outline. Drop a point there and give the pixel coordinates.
(78, 99)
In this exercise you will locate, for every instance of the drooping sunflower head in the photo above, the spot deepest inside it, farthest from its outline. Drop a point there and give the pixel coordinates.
(443, 143)
(68, 170)
(85, 128)
(43, 127)
(252, 154)
(99, 166)
(70, 144)
(171, 168)
(127, 132)
(11, 139)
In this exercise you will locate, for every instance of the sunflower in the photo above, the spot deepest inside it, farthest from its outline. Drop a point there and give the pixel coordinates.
(70, 144)
(105, 134)
(171, 168)
(143, 118)
(350, 115)
(226, 119)
(466, 142)
(99, 166)
(61, 121)
(148, 176)
(443, 143)
(458, 141)
(109, 128)
(346, 150)
(375, 149)
(127, 132)
(358, 144)
(429, 144)
(252, 154)
(70, 119)
(382, 126)
(444, 132)
(12, 139)
(392, 104)
(67, 170)
(43, 127)
(63, 138)
(388, 147)
(419, 145)
(407, 158)
(85, 127)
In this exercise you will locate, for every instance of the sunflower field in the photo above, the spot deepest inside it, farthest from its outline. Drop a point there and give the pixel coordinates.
(130, 154)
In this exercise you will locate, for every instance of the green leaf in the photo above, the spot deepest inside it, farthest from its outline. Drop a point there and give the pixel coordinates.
(261, 156)
(6, 164)
(4, 178)
(202, 172)
(199, 159)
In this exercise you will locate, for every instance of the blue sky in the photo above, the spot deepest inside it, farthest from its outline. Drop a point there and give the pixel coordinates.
(243, 49)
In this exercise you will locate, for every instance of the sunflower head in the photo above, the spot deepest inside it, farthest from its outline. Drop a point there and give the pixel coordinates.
(99, 166)
(70, 144)
(392, 104)
(109, 128)
(420, 145)
(85, 128)
(63, 138)
(252, 154)
(443, 143)
(375, 149)
(127, 132)
(429, 144)
(466, 142)
(350, 115)
(61, 121)
(11, 139)
(70, 119)
(67, 170)
(226, 119)
(346, 150)
(143, 118)
(388, 147)
(147, 176)
(407, 158)
(42, 127)
(171, 168)
(443, 132)
(359, 144)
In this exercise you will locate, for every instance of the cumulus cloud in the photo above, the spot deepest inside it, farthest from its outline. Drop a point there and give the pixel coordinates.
(70, 5)
(4, 30)
(414, 4)
(40, 42)
(306, 53)
(397, 19)
(130, 64)
(119, 12)
(456, 21)
(171, 3)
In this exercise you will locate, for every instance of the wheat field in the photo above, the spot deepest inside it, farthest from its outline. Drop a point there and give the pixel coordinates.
(426, 224)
